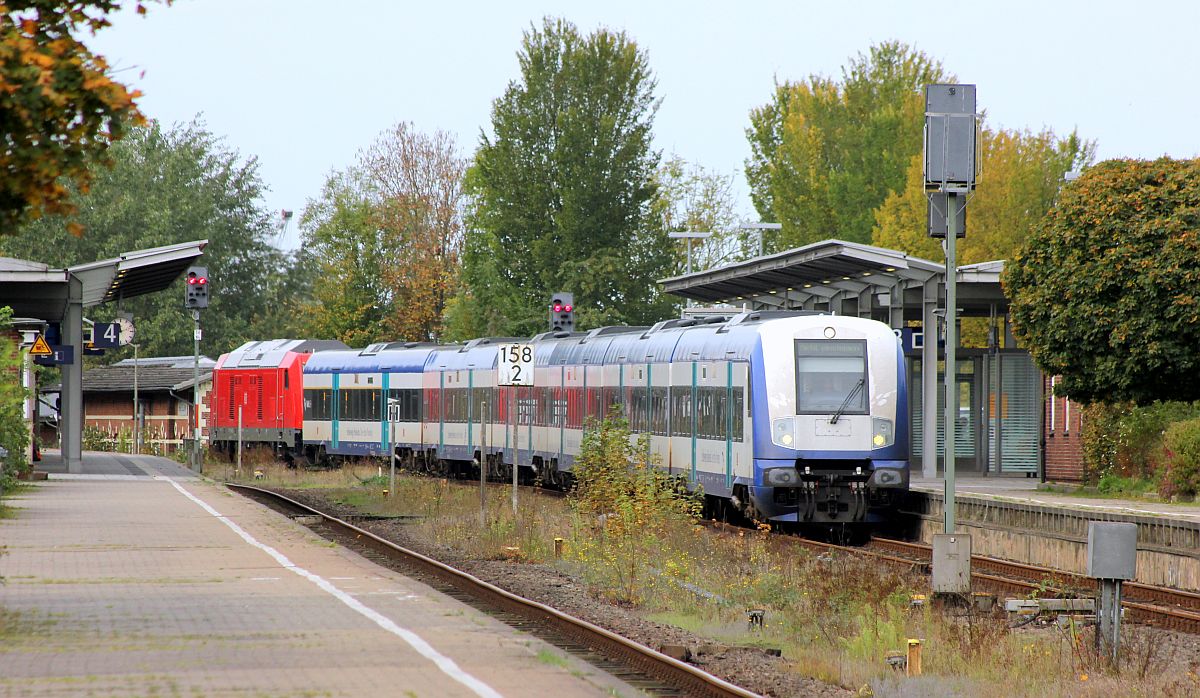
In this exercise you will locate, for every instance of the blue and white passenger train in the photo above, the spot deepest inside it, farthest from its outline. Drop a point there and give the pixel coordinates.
(788, 417)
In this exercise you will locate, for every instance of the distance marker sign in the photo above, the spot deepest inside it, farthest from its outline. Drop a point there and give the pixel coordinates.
(514, 365)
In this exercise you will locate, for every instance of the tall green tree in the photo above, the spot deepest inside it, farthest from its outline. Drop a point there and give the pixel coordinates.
(825, 154)
(165, 186)
(561, 190)
(1022, 173)
(60, 108)
(1106, 290)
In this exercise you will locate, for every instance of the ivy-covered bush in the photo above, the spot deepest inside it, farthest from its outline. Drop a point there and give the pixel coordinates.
(14, 432)
(1126, 441)
(1181, 447)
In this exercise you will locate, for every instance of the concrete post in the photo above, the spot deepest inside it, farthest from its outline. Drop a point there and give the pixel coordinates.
(929, 354)
(71, 413)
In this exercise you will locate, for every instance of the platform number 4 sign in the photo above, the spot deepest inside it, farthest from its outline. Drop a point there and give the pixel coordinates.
(515, 364)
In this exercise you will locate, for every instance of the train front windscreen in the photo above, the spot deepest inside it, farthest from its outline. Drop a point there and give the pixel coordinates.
(831, 376)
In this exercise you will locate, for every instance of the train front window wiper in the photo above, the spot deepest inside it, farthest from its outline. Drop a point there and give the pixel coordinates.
(846, 403)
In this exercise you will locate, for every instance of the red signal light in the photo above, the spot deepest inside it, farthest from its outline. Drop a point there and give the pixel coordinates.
(191, 280)
(202, 280)
(567, 308)
(557, 308)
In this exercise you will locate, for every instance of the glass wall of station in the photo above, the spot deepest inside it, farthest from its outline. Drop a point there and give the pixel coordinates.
(998, 429)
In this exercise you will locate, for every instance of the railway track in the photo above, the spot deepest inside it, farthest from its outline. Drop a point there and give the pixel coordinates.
(1153, 605)
(645, 668)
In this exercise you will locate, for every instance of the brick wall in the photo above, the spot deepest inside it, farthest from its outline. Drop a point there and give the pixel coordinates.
(112, 414)
(1064, 452)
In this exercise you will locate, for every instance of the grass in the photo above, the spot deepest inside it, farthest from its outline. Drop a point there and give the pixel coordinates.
(552, 658)
(835, 617)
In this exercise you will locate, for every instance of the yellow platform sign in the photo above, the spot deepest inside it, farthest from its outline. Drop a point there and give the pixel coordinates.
(40, 347)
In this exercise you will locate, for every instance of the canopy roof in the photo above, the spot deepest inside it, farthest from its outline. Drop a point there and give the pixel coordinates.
(835, 269)
(36, 290)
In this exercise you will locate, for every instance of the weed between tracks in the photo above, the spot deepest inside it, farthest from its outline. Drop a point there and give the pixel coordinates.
(633, 541)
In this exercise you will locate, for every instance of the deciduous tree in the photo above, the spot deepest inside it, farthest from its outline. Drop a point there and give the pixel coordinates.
(1106, 290)
(60, 109)
(1022, 172)
(388, 236)
(825, 154)
(165, 186)
(562, 188)
(692, 198)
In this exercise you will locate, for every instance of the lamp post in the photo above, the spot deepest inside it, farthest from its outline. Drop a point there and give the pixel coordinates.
(761, 228)
(689, 237)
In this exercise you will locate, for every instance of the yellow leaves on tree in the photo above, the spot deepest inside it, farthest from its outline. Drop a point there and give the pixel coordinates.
(1022, 173)
(59, 109)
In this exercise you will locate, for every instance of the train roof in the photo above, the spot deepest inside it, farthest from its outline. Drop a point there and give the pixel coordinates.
(274, 353)
(394, 357)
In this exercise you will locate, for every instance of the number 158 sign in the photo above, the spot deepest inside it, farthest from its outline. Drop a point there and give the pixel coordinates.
(515, 364)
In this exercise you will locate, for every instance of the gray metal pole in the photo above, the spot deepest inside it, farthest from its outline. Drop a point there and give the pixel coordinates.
(137, 422)
(392, 445)
(951, 353)
(516, 451)
(197, 457)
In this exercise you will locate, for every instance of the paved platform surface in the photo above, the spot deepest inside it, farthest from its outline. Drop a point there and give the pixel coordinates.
(118, 583)
(1032, 491)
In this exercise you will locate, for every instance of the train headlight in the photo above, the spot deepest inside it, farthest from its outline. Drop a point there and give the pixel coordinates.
(883, 432)
(781, 477)
(783, 432)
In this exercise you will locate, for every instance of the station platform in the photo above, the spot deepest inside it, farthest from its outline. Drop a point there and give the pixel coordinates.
(137, 577)
(1033, 491)
(1021, 519)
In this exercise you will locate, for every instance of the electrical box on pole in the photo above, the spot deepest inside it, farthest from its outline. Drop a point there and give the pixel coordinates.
(562, 312)
(196, 289)
(951, 137)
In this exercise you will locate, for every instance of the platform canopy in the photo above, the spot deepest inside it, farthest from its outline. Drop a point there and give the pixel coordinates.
(135, 273)
(35, 291)
(833, 272)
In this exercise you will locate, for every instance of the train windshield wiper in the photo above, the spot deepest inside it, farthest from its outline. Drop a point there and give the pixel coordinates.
(846, 403)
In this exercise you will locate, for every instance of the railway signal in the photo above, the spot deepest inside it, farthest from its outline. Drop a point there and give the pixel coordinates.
(562, 312)
(196, 297)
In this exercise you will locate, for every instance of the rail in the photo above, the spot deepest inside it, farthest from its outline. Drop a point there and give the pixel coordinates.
(684, 677)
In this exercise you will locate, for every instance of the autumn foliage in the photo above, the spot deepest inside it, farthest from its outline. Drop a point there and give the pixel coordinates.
(1106, 290)
(59, 107)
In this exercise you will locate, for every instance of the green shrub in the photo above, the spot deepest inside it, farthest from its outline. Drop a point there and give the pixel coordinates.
(1099, 439)
(1125, 441)
(14, 432)
(1181, 447)
(632, 503)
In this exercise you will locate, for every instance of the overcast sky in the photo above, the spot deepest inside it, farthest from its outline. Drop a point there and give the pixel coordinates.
(304, 85)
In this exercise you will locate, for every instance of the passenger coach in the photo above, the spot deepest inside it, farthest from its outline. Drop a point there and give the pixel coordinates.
(791, 417)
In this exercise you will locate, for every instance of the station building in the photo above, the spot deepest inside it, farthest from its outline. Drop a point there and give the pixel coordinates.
(161, 411)
(1005, 417)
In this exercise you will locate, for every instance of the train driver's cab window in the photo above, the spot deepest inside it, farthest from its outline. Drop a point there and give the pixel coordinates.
(829, 374)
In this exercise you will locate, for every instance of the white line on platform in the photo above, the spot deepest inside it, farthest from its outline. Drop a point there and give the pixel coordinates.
(446, 664)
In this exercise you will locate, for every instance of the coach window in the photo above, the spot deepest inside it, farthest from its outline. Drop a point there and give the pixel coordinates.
(739, 413)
